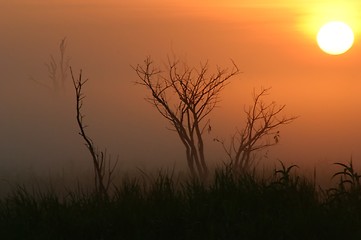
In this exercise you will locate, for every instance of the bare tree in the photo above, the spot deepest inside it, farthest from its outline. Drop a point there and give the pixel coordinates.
(103, 169)
(52, 67)
(57, 69)
(64, 63)
(261, 131)
(185, 96)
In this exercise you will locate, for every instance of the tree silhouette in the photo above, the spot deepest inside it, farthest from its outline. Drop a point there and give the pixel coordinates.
(185, 96)
(261, 131)
(57, 69)
(103, 169)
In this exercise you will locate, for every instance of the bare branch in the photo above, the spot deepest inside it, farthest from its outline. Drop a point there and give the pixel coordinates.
(57, 69)
(195, 94)
(103, 169)
(261, 131)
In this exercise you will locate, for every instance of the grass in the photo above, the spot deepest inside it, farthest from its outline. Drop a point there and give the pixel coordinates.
(284, 206)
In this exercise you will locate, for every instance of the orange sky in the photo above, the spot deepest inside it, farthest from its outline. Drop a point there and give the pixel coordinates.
(272, 43)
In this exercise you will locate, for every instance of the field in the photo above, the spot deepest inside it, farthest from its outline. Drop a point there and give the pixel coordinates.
(162, 206)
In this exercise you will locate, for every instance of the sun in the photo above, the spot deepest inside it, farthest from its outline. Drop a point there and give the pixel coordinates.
(335, 38)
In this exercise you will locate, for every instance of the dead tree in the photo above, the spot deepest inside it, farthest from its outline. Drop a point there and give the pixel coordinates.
(185, 96)
(64, 64)
(57, 69)
(261, 131)
(103, 169)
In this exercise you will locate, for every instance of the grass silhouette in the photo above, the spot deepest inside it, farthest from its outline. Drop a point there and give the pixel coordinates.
(228, 206)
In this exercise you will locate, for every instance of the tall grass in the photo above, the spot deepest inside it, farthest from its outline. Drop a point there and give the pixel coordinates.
(229, 206)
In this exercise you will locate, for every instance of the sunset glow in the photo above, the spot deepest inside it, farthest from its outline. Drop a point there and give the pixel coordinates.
(322, 12)
(96, 92)
(273, 43)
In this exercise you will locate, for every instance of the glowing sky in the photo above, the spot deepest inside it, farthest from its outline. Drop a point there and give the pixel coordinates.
(274, 44)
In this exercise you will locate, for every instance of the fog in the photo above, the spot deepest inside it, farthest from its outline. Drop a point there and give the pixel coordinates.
(39, 136)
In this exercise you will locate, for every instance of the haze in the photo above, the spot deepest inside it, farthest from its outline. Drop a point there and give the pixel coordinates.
(272, 44)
